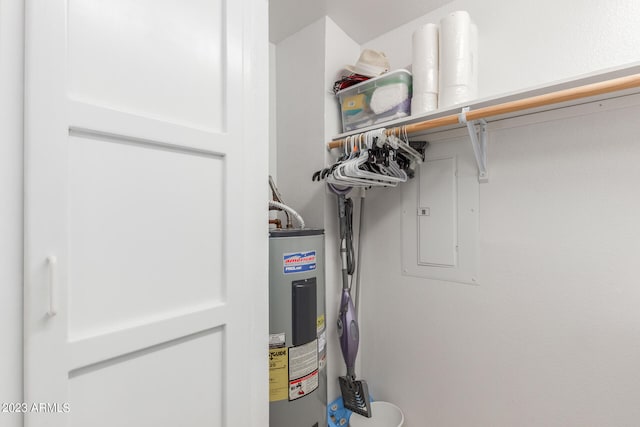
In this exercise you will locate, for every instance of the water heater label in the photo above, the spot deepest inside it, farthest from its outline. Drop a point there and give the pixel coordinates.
(299, 262)
(278, 374)
(303, 369)
(303, 386)
(277, 340)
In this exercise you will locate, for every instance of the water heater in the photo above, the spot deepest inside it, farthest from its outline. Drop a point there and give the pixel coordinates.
(297, 329)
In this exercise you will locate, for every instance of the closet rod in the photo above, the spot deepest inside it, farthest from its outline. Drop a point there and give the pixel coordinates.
(593, 89)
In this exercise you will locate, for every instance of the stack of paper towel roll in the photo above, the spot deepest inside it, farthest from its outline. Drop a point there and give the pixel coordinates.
(445, 63)
(425, 69)
(458, 59)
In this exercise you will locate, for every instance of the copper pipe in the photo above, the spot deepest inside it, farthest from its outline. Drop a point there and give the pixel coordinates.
(277, 222)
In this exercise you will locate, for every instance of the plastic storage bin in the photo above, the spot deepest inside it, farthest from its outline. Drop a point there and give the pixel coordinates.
(377, 100)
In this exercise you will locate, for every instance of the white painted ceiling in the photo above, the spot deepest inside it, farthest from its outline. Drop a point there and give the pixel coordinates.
(362, 20)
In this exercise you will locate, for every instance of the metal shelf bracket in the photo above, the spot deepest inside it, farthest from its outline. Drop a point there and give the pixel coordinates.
(478, 135)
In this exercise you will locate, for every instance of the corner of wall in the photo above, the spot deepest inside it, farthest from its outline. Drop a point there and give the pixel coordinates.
(307, 115)
(273, 145)
(340, 50)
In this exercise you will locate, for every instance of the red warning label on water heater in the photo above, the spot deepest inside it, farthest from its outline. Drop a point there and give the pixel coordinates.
(303, 369)
(303, 386)
(298, 262)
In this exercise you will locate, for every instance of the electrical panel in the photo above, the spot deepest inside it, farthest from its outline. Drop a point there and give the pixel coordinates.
(440, 214)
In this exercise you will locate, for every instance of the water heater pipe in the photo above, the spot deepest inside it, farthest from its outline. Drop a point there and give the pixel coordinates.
(286, 208)
(277, 222)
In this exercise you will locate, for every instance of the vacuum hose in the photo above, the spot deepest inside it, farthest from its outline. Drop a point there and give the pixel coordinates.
(286, 208)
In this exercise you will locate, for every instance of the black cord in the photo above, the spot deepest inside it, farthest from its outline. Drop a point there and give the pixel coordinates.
(351, 262)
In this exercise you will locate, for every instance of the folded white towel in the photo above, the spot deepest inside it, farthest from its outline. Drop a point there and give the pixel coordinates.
(387, 97)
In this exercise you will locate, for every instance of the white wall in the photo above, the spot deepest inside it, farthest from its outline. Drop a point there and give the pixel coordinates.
(300, 125)
(273, 126)
(11, 87)
(524, 43)
(551, 336)
(273, 137)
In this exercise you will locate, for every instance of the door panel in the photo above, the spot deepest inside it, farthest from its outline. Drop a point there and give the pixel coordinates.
(136, 141)
(145, 232)
(178, 383)
(155, 395)
(159, 59)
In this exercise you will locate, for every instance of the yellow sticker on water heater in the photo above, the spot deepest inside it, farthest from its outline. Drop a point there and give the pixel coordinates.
(320, 323)
(278, 374)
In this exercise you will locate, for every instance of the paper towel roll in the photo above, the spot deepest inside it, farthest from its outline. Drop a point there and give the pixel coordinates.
(458, 75)
(424, 69)
(423, 102)
(474, 63)
(425, 59)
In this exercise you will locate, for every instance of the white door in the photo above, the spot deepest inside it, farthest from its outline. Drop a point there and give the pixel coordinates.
(145, 213)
